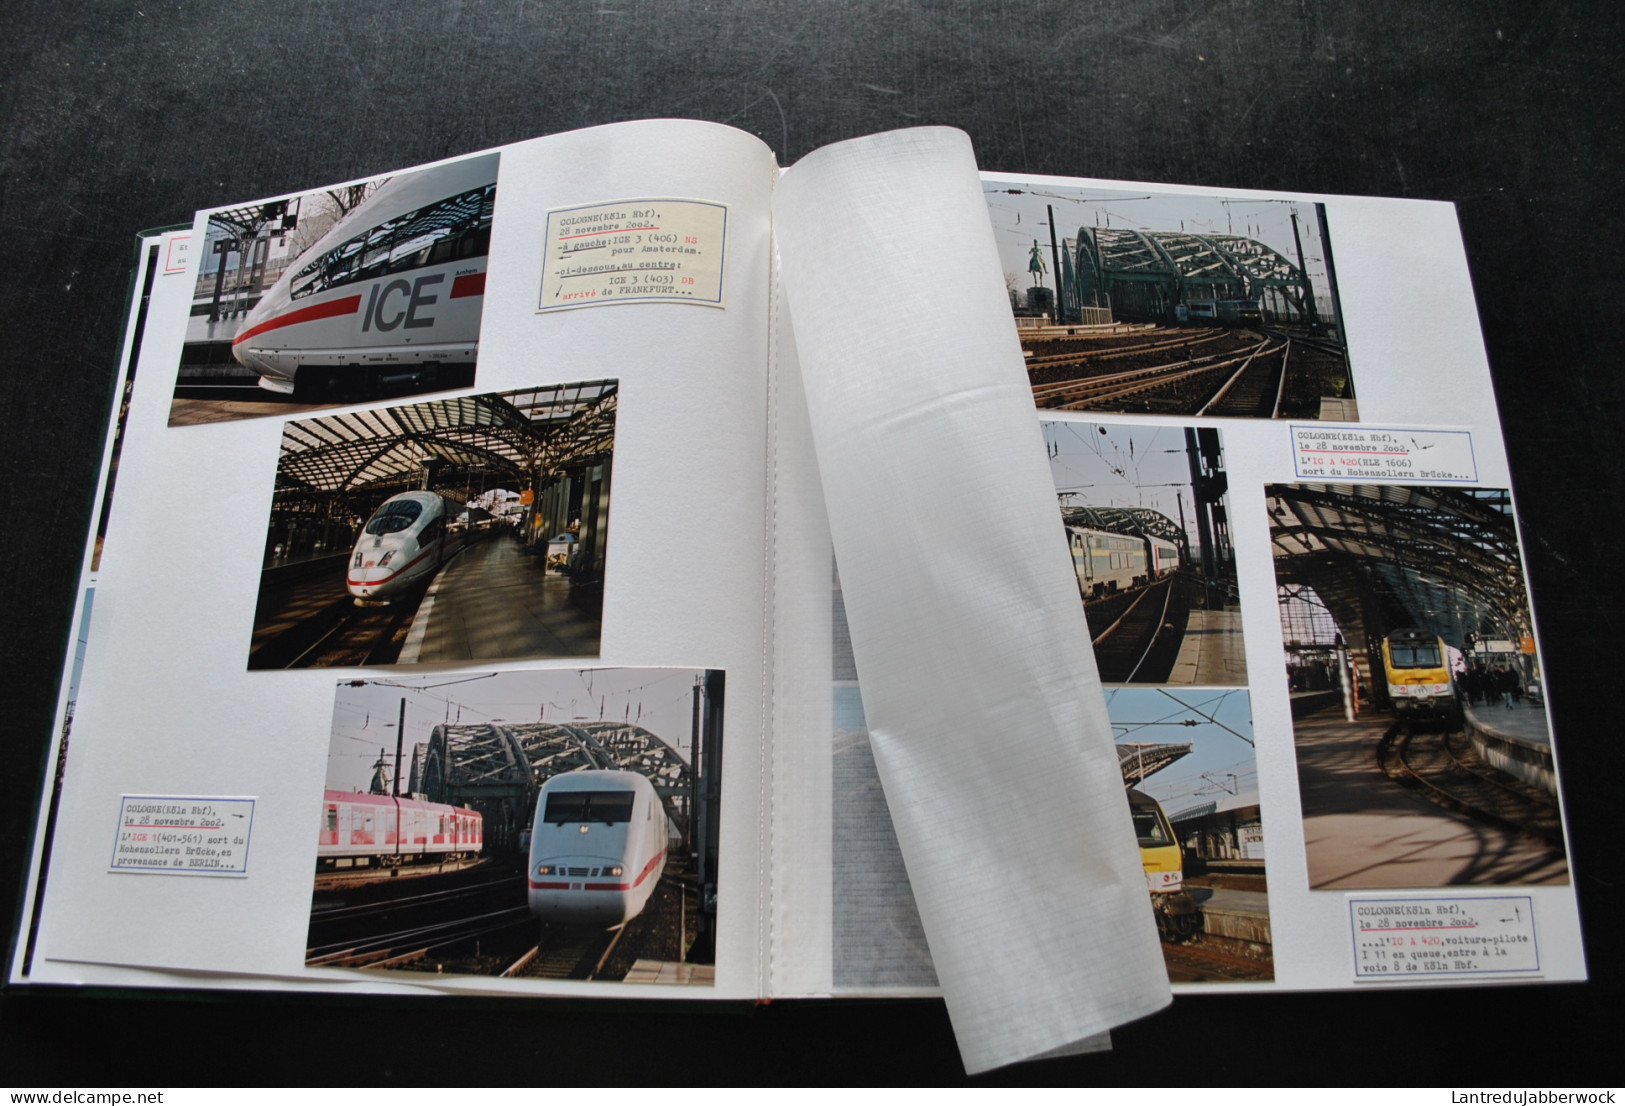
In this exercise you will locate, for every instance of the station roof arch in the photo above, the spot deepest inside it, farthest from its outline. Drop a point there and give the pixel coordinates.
(515, 434)
(1443, 559)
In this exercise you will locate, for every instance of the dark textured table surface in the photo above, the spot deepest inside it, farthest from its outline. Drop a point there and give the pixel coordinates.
(116, 116)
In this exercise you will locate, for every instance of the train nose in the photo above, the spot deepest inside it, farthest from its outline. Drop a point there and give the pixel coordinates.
(371, 564)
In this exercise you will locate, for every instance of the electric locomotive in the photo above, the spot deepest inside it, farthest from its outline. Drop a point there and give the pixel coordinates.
(1178, 918)
(1417, 664)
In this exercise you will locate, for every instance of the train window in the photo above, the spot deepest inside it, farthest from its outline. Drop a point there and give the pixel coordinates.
(394, 516)
(475, 244)
(1150, 829)
(456, 227)
(1421, 655)
(332, 819)
(588, 806)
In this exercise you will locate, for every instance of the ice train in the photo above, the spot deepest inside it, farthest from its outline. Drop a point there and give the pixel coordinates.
(598, 847)
(391, 295)
(406, 541)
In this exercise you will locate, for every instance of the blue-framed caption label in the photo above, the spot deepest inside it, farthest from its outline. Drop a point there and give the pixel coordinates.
(1402, 940)
(1377, 454)
(183, 835)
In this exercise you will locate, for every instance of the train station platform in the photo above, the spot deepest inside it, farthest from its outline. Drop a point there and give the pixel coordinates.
(493, 602)
(1308, 702)
(1212, 654)
(1363, 830)
(668, 971)
(1516, 739)
(1238, 915)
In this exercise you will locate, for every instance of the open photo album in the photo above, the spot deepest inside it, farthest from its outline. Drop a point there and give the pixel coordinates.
(613, 564)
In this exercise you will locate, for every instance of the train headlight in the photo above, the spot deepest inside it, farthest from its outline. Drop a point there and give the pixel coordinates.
(544, 869)
(384, 560)
(357, 562)
(613, 870)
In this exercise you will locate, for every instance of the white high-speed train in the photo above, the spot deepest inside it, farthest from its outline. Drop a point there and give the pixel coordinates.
(407, 539)
(390, 295)
(597, 848)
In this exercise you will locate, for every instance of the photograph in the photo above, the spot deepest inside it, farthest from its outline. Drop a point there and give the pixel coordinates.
(362, 292)
(544, 824)
(1172, 304)
(443, 532)
(1419, 721)
(1146, 512)
(1192, 778)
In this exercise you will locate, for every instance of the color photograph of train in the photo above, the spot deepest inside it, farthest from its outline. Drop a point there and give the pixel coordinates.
(1421, 672)
(359, 292)
(1145, 511)
(1173, 303)
(367, 830)
(1424, 751)
(1191, 777)
(598, 846)
(424, 533)
(542, 824)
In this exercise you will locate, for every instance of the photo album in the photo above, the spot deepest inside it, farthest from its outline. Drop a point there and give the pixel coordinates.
(613, 565)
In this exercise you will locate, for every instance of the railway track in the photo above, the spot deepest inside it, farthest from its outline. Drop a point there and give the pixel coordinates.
(410, 944)
(1191, 383)
(567, 954)
(1207, 962)
(334, 911)
(1137, 636)
(1255, 389)
(1258, 373)
(1444, 767)
(363, 635)
(340, 633)
(1093, 352)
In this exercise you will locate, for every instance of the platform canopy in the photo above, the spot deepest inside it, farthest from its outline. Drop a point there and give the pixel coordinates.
(517, 435)
(1141, 759)
(1382, 557)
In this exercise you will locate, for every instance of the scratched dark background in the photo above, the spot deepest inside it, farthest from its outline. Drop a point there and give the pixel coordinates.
(116, 116)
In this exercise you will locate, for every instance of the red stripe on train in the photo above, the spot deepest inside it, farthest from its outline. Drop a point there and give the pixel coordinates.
(472, 284)
(643, 875)
(345, 305)
(392, 575)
